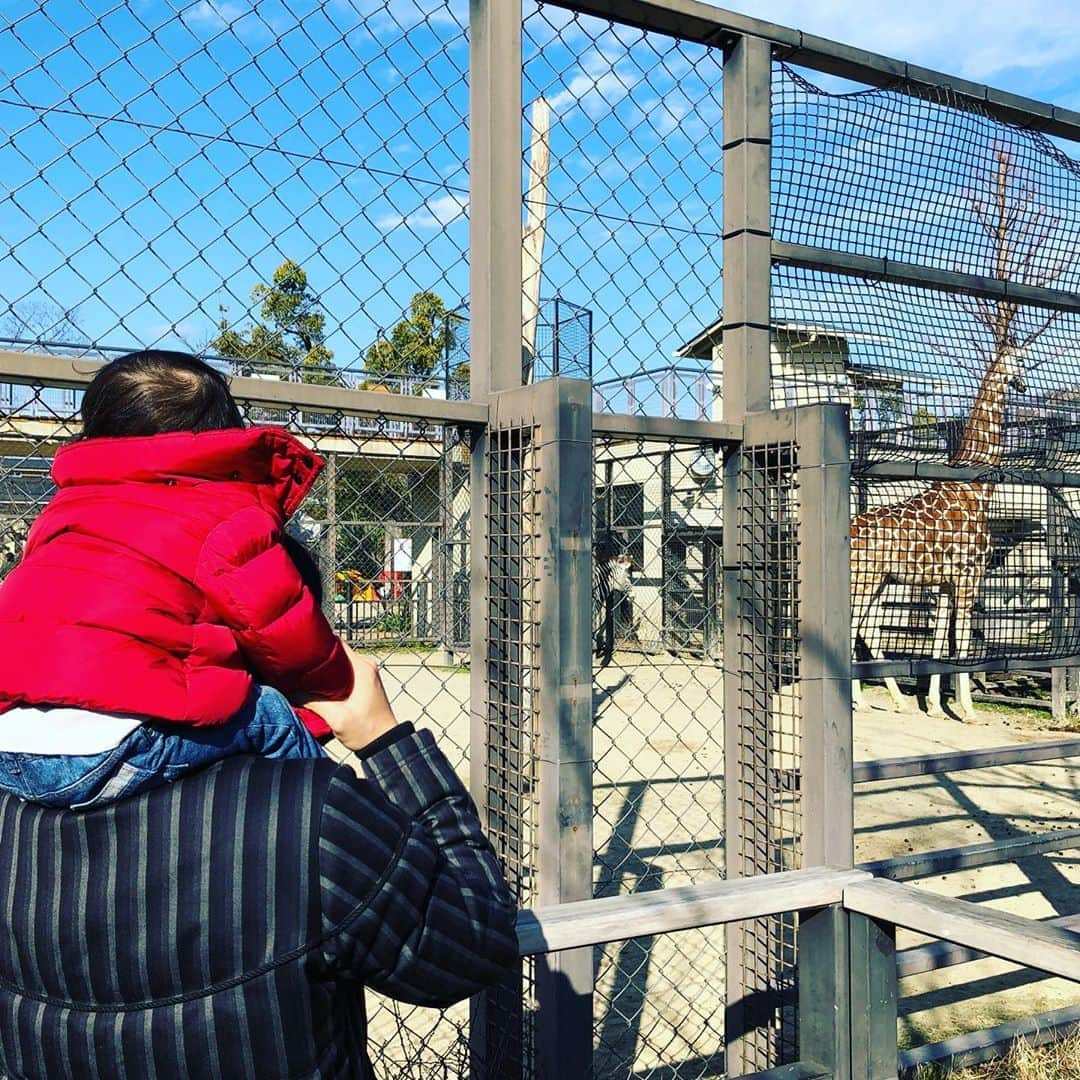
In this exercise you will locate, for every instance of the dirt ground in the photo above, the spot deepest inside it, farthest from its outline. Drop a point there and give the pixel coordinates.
(659, 821)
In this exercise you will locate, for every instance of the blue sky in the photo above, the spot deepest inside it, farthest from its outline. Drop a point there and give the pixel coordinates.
(160, 158)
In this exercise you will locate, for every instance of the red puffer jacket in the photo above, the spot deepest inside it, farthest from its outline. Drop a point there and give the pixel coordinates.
(155, 582)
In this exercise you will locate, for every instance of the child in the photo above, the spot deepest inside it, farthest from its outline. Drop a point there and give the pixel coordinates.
(156, 620)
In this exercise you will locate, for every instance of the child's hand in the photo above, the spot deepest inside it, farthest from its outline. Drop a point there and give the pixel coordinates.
(365, 714)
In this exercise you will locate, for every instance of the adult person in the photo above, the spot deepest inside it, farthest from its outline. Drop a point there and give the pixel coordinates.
(227, 924)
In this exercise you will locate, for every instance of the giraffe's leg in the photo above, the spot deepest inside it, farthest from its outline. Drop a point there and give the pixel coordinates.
(872, 638)
(965, 601)
(938, 651)
(858, 611)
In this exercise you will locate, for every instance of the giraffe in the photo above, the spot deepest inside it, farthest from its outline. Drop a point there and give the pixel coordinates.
(938, 538)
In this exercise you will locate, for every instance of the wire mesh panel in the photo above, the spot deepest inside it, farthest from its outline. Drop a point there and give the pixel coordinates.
(919, 176)
(765, 824)
(283, 187)
(958, 375)
(624, 216)
(510, 718)
(928, 375)
(966, 570)
(658, 746)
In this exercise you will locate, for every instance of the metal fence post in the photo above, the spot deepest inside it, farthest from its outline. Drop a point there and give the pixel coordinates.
(564, 981)
(825, 636)
(496, 693)
(747, 680)
(747, 251)
(495, 195)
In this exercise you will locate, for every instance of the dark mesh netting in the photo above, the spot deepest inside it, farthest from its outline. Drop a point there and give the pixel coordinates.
(918, 175)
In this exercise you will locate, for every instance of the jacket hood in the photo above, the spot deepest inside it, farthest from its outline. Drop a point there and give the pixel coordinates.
(257, 455)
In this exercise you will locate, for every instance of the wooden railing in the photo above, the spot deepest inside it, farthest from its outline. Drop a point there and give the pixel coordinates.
(847, 952)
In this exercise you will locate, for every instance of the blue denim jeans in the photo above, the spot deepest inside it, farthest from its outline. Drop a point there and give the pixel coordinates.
(155, 754)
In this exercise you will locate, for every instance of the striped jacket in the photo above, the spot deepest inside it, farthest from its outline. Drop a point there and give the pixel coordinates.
(226, 925)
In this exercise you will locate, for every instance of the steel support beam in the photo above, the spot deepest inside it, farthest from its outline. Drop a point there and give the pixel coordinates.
(948, 860)
(494, 197)
(751, 966)
(747, 251)
(825, 637)
(630, 426)
(878, 669)
(693, 20)
(961, 1051)
(881, 269)
(939, 470)
(564, 553)
(76, 372)
(943, 954)
(497, 695)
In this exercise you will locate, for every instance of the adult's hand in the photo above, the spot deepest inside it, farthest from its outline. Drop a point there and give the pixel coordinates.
(365, 714)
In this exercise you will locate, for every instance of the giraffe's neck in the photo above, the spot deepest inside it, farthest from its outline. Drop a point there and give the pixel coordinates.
(982, 442)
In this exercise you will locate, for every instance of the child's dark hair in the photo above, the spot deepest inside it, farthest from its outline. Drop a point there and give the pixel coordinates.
(155, 391)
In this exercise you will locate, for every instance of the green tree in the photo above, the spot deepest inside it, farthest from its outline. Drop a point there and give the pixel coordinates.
(925, 424)
(290, 336)
(420, 343)
(890, 407)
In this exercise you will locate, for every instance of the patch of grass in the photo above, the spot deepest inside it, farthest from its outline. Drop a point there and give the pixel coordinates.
(1036, 719)
(1054, 1061)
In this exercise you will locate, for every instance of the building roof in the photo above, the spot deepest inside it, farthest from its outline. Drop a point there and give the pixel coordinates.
(701, 346)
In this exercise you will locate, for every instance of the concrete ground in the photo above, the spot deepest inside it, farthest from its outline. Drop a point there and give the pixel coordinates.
(658, 746)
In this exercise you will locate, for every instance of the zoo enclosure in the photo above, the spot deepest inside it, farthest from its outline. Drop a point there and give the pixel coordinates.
(500, 536)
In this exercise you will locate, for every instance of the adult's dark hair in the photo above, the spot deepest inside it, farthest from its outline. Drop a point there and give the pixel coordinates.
(155, 391)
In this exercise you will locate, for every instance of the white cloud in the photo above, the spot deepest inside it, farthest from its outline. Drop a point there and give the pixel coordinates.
(976, 39)
(405, 14)
(603, 79)
(216, 14)
(436, 213)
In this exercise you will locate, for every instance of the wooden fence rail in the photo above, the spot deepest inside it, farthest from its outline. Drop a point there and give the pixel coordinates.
(847, 986)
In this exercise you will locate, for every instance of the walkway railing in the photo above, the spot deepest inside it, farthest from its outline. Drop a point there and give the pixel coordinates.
(848, 971)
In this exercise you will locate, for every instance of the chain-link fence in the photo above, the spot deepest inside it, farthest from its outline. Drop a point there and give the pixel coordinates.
(631, 202)
(657, 745)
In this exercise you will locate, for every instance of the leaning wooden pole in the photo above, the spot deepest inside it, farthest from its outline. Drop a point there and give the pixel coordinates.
(534, 231)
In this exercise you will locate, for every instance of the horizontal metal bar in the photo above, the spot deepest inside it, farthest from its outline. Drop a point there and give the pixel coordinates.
(978, 1046)
(880, 669)
(943, 954)
(709, 25)
(630, 426)
(616, 918)
(939, 470)
(76, 372)
(1027, 942)
(931, 764)
(990, 853)
(903, 273)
